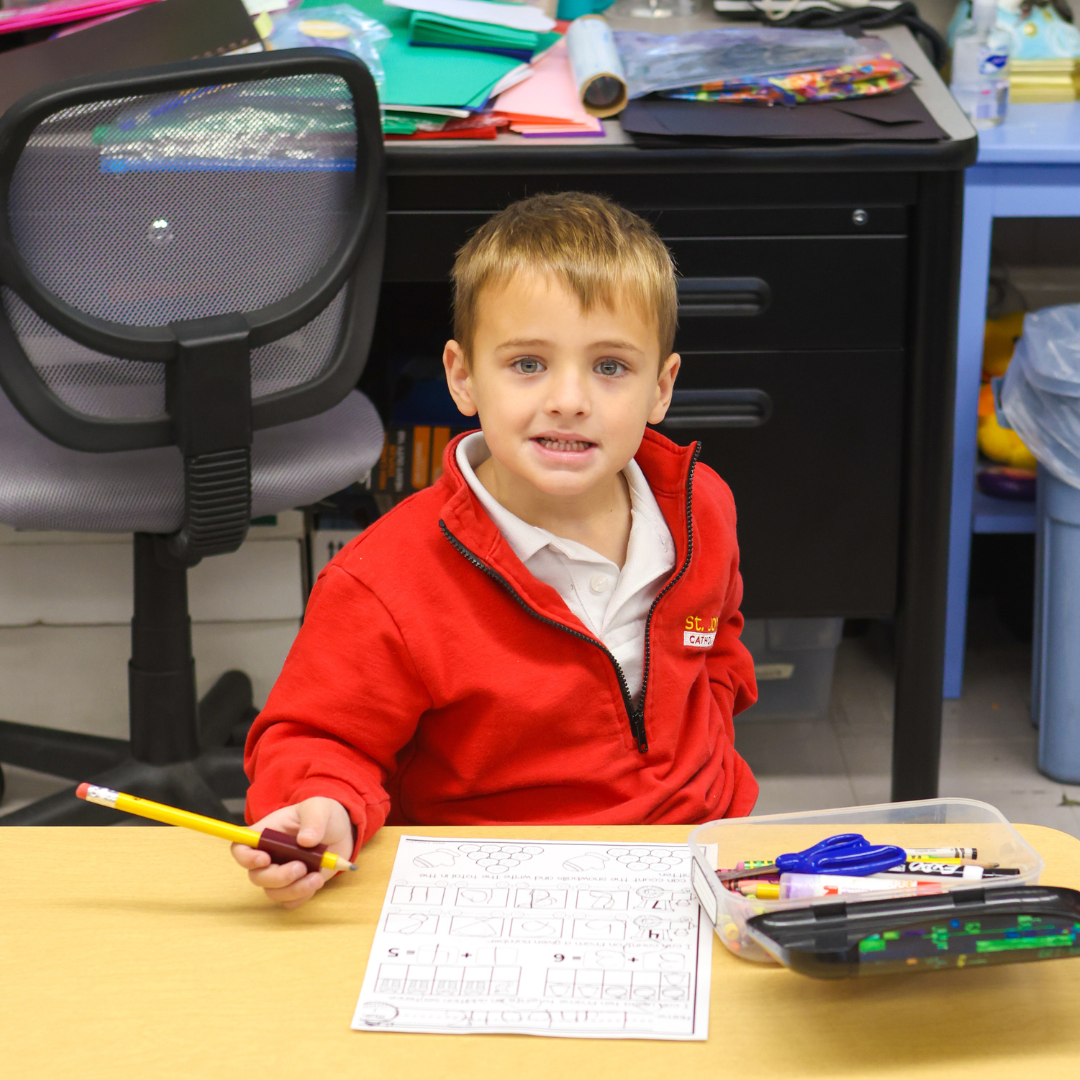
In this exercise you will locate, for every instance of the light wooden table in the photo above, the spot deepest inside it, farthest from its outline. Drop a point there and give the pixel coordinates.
(145, 954)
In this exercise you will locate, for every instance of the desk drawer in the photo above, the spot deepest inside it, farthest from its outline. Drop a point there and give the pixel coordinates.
(818, 292)
(828, 292)
(810, 446)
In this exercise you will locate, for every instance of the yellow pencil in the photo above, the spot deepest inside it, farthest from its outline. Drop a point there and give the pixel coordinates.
(281, 847)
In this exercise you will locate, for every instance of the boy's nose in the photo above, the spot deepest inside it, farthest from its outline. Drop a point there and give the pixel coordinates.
(568, 395)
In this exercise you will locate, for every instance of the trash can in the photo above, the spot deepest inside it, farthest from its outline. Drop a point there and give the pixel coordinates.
(1039, 398)
(1055, 657)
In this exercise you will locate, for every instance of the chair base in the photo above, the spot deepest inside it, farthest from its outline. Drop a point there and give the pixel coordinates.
(199, 785)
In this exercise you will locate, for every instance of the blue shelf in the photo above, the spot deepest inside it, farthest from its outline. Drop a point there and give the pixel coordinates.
(1046, 134)
(990, 515)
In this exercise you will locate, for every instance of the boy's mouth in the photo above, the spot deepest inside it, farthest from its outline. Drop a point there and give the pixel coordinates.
(563, 445)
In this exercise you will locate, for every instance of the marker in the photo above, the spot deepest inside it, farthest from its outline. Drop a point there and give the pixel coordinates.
(942, 852)
(281, 847)
(938, 869)
(949, 861)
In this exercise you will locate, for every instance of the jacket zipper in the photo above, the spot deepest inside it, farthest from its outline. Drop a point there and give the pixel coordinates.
(642, 742)
(635, 716)
(496, 576)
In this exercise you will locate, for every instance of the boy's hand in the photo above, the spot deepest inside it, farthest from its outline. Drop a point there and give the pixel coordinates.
(313, 821)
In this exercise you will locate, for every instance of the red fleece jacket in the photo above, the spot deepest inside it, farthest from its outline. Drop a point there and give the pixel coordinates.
(436, 681)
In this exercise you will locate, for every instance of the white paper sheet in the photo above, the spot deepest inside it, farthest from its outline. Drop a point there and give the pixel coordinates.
(560, 938)
(515, 16)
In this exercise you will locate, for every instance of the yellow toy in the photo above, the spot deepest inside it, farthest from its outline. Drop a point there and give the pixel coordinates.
(999, 340)
(997, 443)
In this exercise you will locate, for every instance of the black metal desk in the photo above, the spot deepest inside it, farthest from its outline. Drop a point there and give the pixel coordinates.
(817, 328)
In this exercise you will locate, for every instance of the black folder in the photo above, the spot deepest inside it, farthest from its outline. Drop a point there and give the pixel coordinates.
(155, 34)
(889, 117)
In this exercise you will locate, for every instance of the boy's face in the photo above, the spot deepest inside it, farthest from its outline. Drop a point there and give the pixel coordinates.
(563, 395)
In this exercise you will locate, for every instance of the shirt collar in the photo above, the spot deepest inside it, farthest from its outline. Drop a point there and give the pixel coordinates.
(526, 540)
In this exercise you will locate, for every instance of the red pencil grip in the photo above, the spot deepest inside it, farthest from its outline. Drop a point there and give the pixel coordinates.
(283, 848)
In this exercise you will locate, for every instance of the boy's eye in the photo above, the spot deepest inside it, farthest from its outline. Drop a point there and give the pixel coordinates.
(528, 365)
(610, 367)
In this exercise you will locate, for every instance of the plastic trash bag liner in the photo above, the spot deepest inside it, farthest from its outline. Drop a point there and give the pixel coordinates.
(1040, 395)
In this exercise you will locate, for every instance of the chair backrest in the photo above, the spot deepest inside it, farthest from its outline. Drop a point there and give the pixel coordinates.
(137, 207)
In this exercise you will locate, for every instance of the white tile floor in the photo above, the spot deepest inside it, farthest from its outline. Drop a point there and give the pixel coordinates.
(988, 743)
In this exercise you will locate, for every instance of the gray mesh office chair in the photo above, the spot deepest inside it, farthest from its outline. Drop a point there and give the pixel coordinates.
(190, 260)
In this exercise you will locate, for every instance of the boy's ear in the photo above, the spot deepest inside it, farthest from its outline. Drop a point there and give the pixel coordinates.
(665, 384)
(458, 378)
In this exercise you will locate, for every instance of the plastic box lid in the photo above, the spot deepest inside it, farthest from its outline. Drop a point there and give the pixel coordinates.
(927, 823)
(765, 635)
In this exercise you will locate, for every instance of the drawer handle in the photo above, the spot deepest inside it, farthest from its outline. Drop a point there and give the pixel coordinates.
(707, 296)
(718, 409)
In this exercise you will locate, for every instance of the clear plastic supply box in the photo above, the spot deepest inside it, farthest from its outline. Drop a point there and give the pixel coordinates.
(928, 823)
(793, 662)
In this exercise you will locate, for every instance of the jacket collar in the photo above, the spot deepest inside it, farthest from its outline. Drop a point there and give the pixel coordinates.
(666, 467)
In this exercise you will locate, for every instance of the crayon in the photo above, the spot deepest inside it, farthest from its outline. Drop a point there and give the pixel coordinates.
(747, 885)
(756, 889)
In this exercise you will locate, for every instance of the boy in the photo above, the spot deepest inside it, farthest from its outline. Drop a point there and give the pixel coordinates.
(550, 633)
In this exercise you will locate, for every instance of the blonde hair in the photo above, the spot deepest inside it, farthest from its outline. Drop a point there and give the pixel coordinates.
(597, 249)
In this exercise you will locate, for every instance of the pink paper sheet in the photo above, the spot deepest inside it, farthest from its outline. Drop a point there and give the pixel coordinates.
(60, 11)
(549, 93)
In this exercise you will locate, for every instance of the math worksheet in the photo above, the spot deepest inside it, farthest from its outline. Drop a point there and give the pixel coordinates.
(562, 938)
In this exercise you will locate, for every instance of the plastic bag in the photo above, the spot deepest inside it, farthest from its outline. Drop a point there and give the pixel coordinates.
(286, 124)
(1040, 394)
(880, 76)
(666, 62)
(335, 26)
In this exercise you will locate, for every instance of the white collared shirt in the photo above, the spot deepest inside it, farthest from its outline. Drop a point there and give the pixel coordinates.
(613, 604)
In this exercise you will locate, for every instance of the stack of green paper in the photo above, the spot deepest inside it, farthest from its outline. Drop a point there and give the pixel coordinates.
(430, 29)
(417, 75)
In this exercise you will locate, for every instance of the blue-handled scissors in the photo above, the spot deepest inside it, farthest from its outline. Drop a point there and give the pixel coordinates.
(849, 853)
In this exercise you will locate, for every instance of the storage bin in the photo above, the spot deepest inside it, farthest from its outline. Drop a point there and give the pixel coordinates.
(928, 823)
(1055, 658)
(793, 662)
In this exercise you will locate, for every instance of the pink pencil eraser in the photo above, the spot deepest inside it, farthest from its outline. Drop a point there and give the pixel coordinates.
(82, 789)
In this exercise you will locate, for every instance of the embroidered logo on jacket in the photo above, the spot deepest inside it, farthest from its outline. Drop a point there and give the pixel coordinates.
(699, 633)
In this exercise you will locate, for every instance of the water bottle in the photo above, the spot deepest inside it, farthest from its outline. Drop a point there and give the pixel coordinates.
(980, 66)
